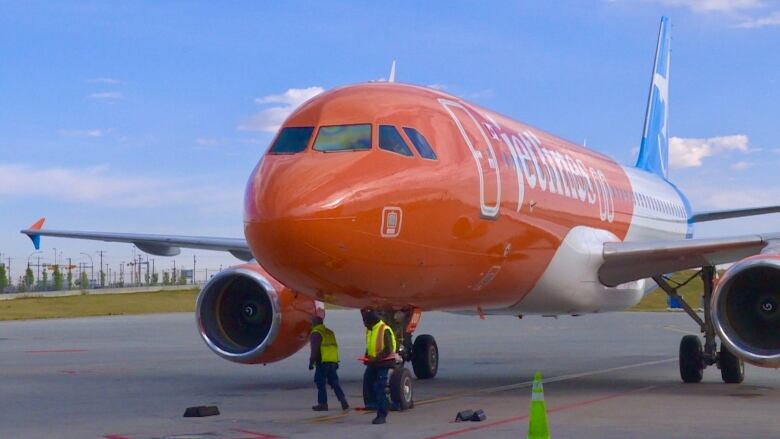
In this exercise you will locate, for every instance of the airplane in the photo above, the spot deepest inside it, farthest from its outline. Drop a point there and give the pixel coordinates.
(406, 199)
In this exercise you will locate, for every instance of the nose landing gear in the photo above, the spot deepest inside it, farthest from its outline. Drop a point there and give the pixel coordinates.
(423, 353)
(694, 357)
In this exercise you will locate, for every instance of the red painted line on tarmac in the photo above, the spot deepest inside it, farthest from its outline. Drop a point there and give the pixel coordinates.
(69, 372)
(552, 410)
(255, 434)
(115, 436)
(54, 351)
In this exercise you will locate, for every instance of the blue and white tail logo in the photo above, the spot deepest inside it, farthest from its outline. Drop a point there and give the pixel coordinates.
(654, 151)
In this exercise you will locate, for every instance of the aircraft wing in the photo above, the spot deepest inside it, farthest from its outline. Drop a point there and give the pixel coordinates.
(629, 261)
(159, 245)
(732, 213)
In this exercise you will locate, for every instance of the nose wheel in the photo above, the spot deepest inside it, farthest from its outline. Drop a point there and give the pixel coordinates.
(425, 357)
(399, 389)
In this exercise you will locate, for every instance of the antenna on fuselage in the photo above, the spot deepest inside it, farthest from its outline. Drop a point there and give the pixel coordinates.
(391, 78)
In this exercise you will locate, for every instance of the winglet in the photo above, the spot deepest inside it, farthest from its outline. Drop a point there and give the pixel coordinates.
(654, 151)
(34, 237)
(392, 72)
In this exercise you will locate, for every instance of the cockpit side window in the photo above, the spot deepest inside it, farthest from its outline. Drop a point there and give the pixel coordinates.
(292, 140)
(343, 138)
(420, 144)
(390, 140)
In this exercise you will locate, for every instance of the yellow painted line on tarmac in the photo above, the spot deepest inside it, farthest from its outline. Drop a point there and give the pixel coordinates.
(497, 389)
(681, 331)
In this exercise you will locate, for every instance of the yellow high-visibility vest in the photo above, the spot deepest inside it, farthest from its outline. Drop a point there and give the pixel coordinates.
(375, 340)
(329, 349)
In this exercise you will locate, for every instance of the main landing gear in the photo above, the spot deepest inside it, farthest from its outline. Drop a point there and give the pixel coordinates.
(695, 357)
(421, 351)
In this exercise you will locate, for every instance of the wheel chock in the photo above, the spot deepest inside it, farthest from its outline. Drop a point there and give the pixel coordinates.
(465, 415)
(201, 411)
(478, 416)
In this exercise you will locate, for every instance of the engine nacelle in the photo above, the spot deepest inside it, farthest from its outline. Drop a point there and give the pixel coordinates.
(746, 310)
(246, 316)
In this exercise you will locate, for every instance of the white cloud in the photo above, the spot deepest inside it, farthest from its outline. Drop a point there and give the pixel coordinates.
(772, 19)
(106, 95)
(104, 187)
(81, 133)
(741, 165)
(742, 198)
(713, 5)
(687, 153)
(270, 119)
(105, 80)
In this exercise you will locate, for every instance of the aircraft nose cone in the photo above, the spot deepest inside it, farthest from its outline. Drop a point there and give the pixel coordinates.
(300, 222)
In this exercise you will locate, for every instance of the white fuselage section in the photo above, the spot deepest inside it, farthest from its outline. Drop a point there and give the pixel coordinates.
(570, 283)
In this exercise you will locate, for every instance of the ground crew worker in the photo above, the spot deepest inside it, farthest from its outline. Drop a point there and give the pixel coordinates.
(380, 357)
(325, 358)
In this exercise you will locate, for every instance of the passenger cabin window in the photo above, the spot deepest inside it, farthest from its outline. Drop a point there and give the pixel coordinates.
(390, 140)
(291, 140)
(420, 144)
(343, 138)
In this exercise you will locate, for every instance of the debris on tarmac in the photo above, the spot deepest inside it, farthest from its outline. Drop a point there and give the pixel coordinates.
(471, 415)
(478, 416)
(201, 411)
(465, 415)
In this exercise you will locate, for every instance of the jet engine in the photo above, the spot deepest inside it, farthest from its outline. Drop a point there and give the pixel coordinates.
(746, 310)
(246, 316)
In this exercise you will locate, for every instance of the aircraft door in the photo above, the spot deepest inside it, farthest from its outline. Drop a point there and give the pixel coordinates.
(484, 157)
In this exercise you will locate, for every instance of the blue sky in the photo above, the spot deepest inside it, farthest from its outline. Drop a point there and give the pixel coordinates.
(149, 116)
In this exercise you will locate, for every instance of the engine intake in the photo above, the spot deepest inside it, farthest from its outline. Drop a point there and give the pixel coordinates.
(746, 310)
(246, 317)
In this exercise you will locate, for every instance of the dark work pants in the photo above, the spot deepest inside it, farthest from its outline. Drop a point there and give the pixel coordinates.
(326, 372)
(377, 375)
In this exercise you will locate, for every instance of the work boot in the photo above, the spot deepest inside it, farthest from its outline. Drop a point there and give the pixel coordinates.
(320, 408)
(344, 405)
(379, 419)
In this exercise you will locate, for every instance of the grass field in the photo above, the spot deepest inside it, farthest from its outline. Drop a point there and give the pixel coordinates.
(184, 301)
(98, 305)
(656, 300)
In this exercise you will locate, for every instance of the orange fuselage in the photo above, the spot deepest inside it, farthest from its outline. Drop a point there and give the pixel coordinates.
(476, 227)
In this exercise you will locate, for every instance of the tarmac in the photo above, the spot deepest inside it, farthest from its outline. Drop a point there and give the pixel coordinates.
(606, 376)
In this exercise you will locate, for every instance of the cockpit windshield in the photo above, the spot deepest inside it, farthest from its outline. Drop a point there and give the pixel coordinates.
(292, 140)
(343, 138)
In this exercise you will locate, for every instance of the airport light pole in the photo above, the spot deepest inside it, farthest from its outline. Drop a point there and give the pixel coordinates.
(39, 262)
(91, 266)
(102, 275)
(31, 255)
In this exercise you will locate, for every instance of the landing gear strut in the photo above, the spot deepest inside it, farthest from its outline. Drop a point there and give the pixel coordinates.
(421, 351)
(694, 357)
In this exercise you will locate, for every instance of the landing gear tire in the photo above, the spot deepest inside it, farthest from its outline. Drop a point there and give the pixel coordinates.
(402, 389)
(691, 362)
(425, 357)
(732, 369)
